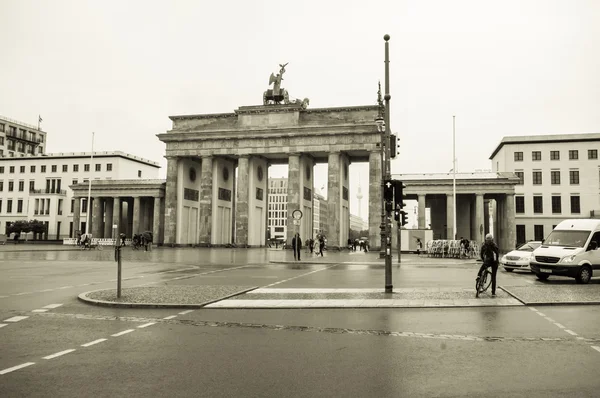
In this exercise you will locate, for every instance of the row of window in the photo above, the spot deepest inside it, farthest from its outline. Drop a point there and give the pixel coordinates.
(538, 204)
(536, 177)
(54, 168)
(277, 206)
(9, 206)
(555, 155)
(22, 133)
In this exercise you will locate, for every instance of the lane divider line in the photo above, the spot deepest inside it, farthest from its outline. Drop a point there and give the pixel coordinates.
(550, 319)
(596, 348)
(3, 324)
(16, 319)
(559, 325)
(52, 306)
(40, 310)
(170, 317)
(146, 325)
(571, 332)
(93, 342)
(58, 354)
(533, 309)
(5, 371)
(65, 287)
(122, 333)
(541, 314)
(185, 312)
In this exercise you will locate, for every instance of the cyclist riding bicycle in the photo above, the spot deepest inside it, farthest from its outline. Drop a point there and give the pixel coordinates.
(489, 254)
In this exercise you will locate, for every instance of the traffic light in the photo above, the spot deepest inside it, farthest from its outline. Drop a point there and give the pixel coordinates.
(404, 218)
(393, 145)
(399, 194)
(397, 214)
(388, 190)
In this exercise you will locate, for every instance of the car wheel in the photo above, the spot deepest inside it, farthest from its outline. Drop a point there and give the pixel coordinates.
(542, 277)
(508, 269)
(584, 275)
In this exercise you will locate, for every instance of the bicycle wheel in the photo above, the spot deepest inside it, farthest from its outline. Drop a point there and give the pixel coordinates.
(486, 281)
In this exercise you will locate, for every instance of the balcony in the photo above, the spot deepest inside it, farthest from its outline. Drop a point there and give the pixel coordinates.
(47, 192)
(22, 137)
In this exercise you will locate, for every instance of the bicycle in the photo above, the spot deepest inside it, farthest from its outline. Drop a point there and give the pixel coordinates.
(484, 281)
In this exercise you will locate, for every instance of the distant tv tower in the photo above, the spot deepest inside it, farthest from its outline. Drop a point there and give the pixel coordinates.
(359, 196)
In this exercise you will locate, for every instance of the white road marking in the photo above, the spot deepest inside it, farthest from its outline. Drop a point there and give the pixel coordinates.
(571, 332)
(42, 310)
(65, 287)
(185, 312)
(3, 324)
(3, 296)
(20, 294)
(559, 325)
(93, 342)
(5, 371)
(580, 338)
(58, 354)
(52, 306)
(122, 333)
(530, 282)
(16, 319)
(533, 309)
(146, 325)
(540, 314)
(550, 319)
(170, 317)
(596, 348)
(46, 290)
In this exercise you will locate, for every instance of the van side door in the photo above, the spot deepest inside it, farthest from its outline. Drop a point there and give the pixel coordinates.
(594, 255)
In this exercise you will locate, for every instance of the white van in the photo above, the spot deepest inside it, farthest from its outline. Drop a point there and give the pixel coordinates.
(571, 250)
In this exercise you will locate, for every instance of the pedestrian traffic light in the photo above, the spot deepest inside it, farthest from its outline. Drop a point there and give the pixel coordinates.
(397, 214)
(393, 145)
(388, 190)
(399, 194)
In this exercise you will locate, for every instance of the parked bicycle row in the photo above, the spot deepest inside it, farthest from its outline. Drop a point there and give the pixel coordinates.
(461, 248)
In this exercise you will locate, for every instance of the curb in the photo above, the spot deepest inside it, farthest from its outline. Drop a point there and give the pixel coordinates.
(365, 308)
(102, 303)
(549, 303)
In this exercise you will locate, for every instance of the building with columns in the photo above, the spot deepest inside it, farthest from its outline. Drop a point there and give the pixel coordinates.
(39, 187)
(250, 139)
(558, 178)
(476, 193)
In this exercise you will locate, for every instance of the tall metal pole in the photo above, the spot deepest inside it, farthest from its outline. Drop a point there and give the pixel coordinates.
(387, 172)
(89, 201)
(454, 177)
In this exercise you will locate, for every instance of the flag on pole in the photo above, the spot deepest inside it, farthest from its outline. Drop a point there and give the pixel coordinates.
(40, 118)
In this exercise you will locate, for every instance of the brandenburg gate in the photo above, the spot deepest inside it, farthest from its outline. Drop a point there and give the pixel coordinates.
(208, 203)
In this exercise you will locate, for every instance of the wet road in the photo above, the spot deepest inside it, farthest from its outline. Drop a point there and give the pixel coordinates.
(72, 349)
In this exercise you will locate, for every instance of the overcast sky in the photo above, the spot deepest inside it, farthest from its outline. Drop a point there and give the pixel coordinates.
(120, 68)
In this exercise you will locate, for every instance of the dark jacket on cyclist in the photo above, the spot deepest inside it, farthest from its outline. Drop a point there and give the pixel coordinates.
(489, 254)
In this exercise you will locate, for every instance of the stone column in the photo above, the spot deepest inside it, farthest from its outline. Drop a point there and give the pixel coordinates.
(206, 196)
(156, 222)
(171, 201)
(479, 219)
(421, 210)
(136, 215)
(333, 200)
(96, 226)
(76, 216)
(450, 217)
(129, 220)
(241, 205)
(116, 216)
(375, 192)
(107, 233)
(509, 216)
(294, 195)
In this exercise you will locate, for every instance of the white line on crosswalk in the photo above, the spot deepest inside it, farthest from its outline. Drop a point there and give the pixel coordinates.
(571, 332)
(40, 310)
(170, 317)
(16, 319)
(58, 354)
(3, 324)
(122, 333)
(93, 342)
(5, 371)
(146, 325)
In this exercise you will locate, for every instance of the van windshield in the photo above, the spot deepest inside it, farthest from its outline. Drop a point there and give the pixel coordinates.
(567, 238)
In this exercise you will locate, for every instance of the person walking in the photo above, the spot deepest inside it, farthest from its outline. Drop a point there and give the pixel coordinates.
(297, 246)
(419, 246)
(321, 245)
(489, 255)
(311, 245)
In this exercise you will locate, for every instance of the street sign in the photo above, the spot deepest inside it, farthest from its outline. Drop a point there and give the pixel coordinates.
(296, 222)
(297, 214)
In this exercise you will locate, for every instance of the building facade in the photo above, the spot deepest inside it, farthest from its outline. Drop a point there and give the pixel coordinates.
(358, 224)
(38, 187)
(559, 179)
(18, 139)
(277, 216)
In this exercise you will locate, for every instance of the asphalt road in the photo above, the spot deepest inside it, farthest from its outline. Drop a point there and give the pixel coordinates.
(74, 350)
